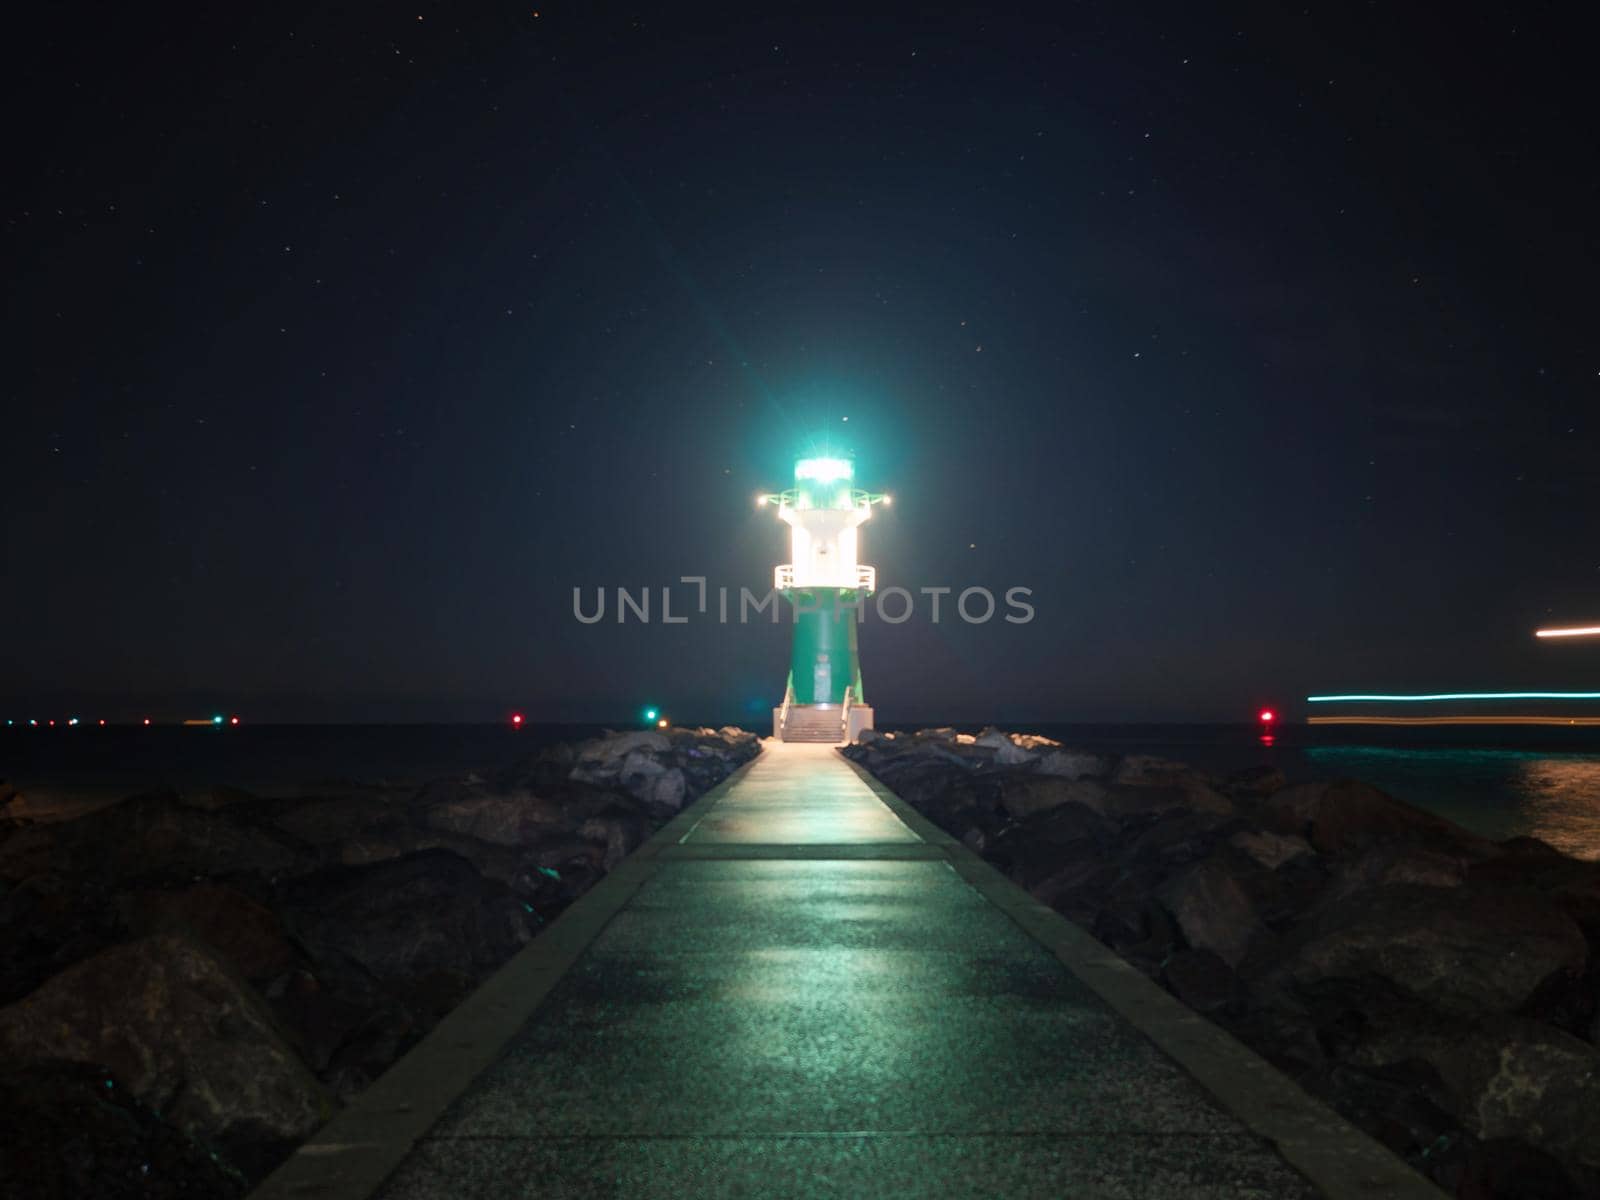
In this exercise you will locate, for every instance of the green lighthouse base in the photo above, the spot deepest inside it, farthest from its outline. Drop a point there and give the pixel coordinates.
(830, 723)
(823, 699)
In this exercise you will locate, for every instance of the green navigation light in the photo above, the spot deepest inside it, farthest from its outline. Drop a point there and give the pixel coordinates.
(650, 714)
(217, 720)
(824, 470)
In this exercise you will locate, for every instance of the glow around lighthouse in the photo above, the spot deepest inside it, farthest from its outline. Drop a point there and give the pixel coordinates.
(826, 583)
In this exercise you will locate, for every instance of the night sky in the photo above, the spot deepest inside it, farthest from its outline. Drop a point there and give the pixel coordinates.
(1258, 341)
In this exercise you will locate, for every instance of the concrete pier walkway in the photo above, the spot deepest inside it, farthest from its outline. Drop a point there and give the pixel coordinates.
(799, 988)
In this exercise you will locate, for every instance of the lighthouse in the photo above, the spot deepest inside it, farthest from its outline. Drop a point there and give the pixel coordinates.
(825, 586)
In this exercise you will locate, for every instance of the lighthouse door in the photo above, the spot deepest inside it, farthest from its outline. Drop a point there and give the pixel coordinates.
(822, 681)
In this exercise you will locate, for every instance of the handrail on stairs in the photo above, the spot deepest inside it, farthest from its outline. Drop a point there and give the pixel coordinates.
(783, 713)
(844, 718)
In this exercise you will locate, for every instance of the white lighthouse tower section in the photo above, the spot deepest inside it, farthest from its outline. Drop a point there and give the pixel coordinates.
(822, 548)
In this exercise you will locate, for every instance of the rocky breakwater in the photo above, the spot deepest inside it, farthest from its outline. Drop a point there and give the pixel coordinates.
(189, 987)
(1440, 990)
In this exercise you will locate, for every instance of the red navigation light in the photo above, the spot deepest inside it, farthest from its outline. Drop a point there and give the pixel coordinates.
(1268, 716)
(233, 720)
(102, 720)
(52, 720)
(516, 719)
(147, 720)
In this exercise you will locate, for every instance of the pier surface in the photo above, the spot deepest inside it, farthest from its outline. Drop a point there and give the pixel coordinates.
(799, 988)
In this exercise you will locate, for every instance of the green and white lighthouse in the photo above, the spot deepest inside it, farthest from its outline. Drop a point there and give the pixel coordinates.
(825, 586)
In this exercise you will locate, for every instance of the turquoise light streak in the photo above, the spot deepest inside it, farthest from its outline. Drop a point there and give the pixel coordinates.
(1466, 696)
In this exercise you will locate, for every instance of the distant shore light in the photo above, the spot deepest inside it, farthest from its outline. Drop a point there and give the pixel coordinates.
(1461, 696)
(1501, 719)
(1569, 631)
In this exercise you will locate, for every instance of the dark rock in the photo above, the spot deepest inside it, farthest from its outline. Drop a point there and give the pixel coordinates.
(1023, 795)
(172, 1023)
(1129, 802)
(1007, 751)
(1073, 764)
(1347, 815)
(1528, 862)
(220, 796)
(1201, 979)
(1146, 770)
(1124, 917)
(247, 934)
(1393, 1105)
(1460, 950)
(1032, 850)
(1277, 1026)
(1282, 896)
(410, 918)
(1580, 900)
(1077, 890)
(1397, 863)
(71, 1132)
(28, 850)
(47, 923)
(1255, 782)
(158, 837)
(1177, 837)
(326, 821)
(1510, 1079)
(1271, 850)
(505, 819)
(1213, 910)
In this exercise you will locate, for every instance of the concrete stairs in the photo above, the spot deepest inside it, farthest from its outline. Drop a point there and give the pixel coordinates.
(812, 723)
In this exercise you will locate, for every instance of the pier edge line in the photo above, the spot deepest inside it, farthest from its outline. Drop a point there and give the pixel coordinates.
(1334, 1156)
(352, 1155)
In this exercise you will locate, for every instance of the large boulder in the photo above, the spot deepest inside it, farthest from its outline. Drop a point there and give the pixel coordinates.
(172, 1023)
(1008, 752)
(1044, 843)
(1213, 910)
(663, 770)
(28, 849)
(1397, 863)
(246, 933)
(1023, 795)
(599, 760)
(1072, 764)
(327, 821)
(1343, 815)
(410, 920)
(1269, 849)
(159, 836)
(1461, 951)
(70, 1132)
(1512, 1079)
(1255, 782)
(1123, 802)
(1201, 979)
(49, 922)
(1176, 837)
(516, 818)
(1148, 770)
